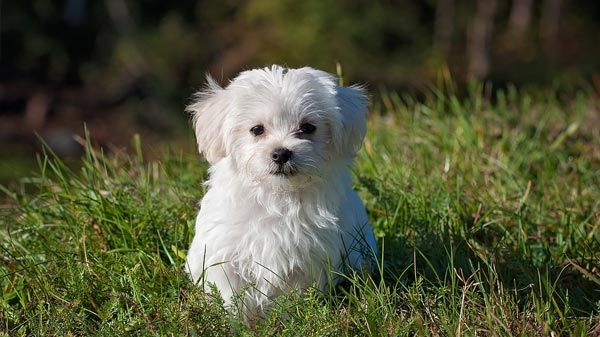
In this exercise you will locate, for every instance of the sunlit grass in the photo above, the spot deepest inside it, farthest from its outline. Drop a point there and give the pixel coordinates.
(487, 215)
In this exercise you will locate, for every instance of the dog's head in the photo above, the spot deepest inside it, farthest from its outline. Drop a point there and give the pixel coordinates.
(280, 125)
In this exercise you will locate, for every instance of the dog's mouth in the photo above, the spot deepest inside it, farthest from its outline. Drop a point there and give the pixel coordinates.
(284, 171)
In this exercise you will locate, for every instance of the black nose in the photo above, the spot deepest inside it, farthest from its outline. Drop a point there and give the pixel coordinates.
(281, 155)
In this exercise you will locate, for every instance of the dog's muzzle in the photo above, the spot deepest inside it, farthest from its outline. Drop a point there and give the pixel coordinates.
(283, 164)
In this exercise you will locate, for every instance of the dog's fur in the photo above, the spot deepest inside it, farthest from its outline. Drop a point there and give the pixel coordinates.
(265, 228)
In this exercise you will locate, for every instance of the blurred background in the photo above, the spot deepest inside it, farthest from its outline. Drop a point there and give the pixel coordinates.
(124, 67)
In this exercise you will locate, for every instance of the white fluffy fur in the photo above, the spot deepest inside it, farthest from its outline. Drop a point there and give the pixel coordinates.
(259, 234)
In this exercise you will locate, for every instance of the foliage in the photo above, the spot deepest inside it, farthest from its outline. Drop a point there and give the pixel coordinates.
(487, 214)
(168, 46)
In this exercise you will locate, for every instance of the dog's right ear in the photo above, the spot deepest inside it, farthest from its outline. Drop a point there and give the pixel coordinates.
(209, 111)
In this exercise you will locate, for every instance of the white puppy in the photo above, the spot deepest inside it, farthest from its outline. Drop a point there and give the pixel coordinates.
(279, 213)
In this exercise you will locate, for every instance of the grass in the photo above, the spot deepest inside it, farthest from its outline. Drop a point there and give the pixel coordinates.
(487, 214)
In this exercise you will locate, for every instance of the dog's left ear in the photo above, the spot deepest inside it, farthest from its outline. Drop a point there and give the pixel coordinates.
(350, 130)
(209, 112)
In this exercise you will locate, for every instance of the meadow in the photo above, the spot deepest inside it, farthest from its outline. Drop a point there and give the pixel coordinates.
(486, 206)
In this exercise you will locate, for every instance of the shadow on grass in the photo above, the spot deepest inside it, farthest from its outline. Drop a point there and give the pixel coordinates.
(434, 257)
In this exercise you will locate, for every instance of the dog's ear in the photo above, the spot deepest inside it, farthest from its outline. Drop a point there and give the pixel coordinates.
(209, 111)
(349, 132)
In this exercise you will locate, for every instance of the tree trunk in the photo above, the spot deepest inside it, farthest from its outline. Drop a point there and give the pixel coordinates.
(520, 18)
(479, 38)
(444, 26)
(549, 25)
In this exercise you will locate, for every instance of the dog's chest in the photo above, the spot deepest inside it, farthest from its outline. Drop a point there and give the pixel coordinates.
(274, 238)
(283, 247)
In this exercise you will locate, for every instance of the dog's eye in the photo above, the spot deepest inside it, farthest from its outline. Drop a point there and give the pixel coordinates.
(257, 130)
(307, 128)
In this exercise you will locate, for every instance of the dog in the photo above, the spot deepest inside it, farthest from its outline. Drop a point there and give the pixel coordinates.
(279, 213)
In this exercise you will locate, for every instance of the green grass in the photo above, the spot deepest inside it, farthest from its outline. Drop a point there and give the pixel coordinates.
(487, 214)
